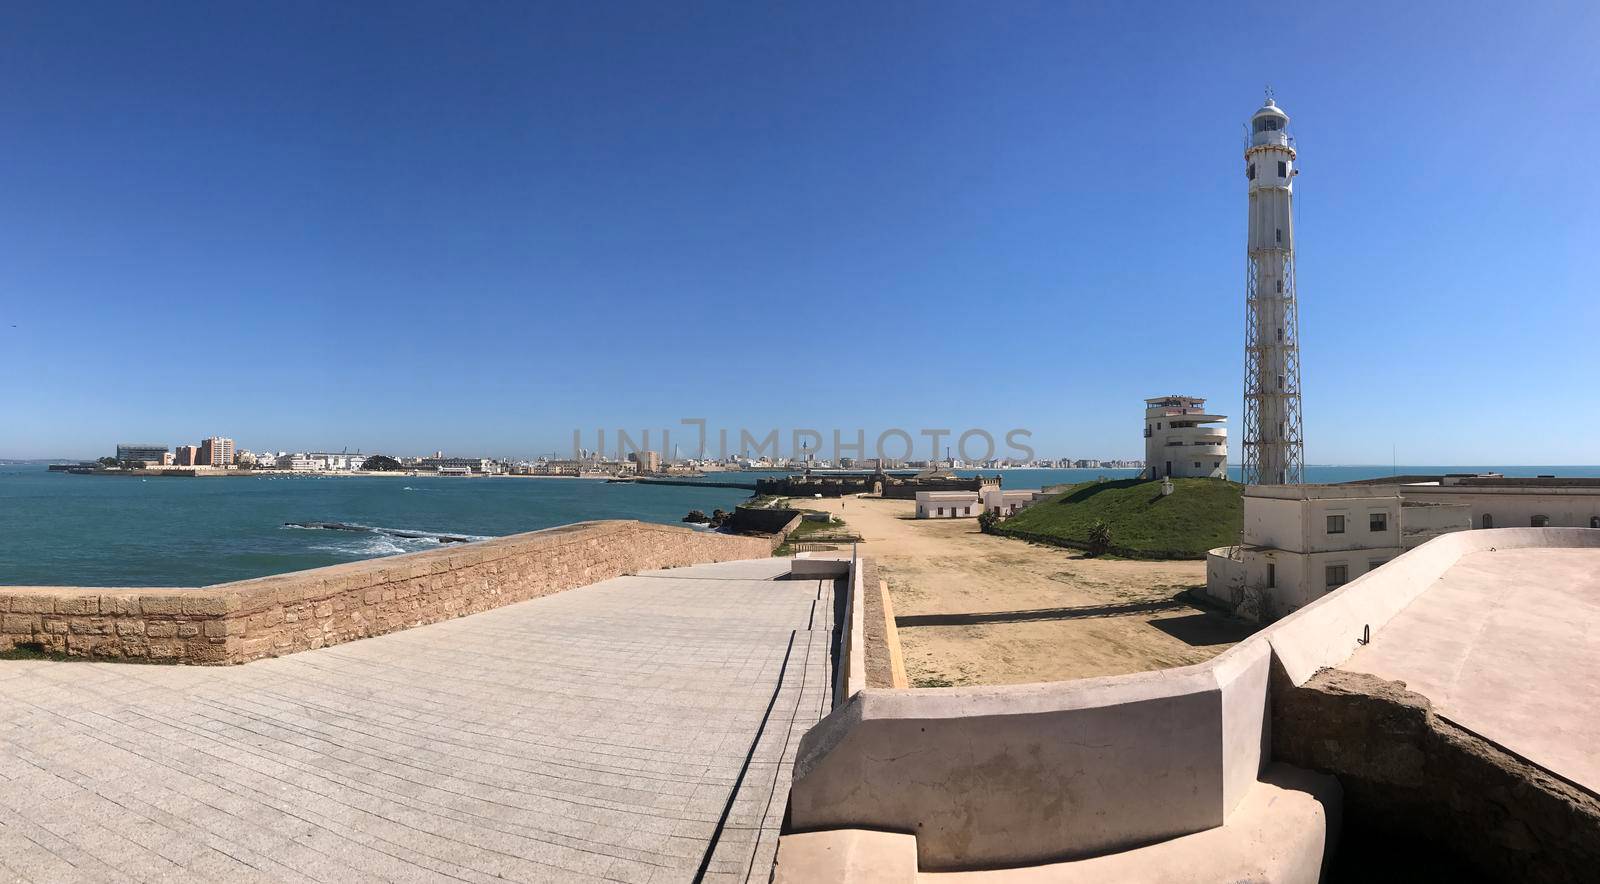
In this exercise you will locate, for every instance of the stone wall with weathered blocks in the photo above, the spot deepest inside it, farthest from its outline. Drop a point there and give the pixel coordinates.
(285, 613)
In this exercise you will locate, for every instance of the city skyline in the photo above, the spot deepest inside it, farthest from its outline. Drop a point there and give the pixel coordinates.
(424, 230)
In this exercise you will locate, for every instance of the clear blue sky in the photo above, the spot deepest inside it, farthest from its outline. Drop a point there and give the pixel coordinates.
(477, 227)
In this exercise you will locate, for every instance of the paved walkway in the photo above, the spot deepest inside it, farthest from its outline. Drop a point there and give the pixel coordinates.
(636, 730)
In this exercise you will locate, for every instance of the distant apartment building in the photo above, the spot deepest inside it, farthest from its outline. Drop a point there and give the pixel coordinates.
(186, 456)
(139, 451)
(454, 465)
(216, 451)
(300, 463)
(340, 461)
(1182, 441)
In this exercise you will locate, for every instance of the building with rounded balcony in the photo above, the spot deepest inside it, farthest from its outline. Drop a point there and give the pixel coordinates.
(1182, 440)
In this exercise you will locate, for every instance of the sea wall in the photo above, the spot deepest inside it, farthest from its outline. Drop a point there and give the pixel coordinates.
(271, 616)
(906, 489)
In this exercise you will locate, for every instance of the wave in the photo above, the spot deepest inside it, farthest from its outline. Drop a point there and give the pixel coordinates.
(369, 548)
(431, 537)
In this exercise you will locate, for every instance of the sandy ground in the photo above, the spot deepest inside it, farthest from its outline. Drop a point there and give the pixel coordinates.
(978, 609)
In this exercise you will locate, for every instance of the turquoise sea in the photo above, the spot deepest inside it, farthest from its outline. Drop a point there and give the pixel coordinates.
(59, 529)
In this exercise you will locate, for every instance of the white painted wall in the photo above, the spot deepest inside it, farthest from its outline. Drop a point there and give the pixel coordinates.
(948, 504)
(1008, 503)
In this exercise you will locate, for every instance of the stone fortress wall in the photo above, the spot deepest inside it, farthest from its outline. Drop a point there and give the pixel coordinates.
(889, 487)
(284, 613)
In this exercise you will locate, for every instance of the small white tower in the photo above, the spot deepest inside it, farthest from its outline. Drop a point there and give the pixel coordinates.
(1274, 451)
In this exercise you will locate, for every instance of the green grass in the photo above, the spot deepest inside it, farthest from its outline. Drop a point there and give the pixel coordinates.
(806, 528)
(811, 531)
(1200, 514)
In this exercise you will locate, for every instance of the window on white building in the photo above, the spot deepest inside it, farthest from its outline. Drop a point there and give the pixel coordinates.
(1539, 521)
(1378, 521)
(941, 511)
(1280, 234)
(1197, 464)
(1272, 576)
(1594, 521)
(1250, 172)
(1283, 169)
(1488, 520)
(1336, 524)
(1336, 575)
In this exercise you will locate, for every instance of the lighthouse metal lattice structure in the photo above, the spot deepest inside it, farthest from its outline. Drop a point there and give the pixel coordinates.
(1274, 451)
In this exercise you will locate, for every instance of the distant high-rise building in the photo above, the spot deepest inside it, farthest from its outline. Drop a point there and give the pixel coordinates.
(216, 451)
(187, 456)
(137, 451)
(1274, 451)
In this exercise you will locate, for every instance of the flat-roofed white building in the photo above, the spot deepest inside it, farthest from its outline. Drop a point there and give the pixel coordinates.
(1182, 440)
(1301, 541)
(1006, 503)
(948, 504)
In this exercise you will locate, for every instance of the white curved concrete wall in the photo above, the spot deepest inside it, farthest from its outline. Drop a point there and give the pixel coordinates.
(1225, 576)
(1023, 773)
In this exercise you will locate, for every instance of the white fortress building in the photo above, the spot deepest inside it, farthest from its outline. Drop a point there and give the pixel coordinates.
(1182, 440)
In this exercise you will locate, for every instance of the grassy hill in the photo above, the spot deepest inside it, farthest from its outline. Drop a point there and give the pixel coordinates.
(1199, 514)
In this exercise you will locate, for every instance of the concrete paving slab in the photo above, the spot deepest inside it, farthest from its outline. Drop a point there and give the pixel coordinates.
(632, 730)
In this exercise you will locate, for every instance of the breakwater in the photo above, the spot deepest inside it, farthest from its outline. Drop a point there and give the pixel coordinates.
(686, 483)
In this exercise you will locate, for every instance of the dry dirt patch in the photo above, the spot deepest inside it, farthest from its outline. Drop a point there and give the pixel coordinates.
(978, 609)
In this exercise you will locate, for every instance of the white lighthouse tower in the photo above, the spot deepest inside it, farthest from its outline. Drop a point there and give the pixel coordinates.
(1273, 446)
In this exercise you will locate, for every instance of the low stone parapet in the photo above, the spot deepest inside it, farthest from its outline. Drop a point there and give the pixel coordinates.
(284, 613)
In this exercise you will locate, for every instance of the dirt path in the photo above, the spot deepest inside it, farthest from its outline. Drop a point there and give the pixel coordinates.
(977, 609)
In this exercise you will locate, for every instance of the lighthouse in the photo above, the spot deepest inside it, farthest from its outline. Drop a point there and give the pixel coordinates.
(1273, 445)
